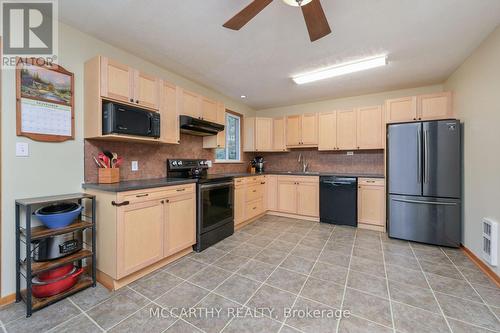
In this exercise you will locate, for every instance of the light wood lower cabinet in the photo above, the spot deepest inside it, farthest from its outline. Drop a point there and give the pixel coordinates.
(298, 195)
(239, 204)
(371, 203)
(140, 228)
(249, 196)
(139, 232)
(271, 192)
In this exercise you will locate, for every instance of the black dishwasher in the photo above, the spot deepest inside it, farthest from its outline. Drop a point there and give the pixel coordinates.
(338, 200)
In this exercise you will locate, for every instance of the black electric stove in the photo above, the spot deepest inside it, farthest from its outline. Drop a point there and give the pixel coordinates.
(214, 198)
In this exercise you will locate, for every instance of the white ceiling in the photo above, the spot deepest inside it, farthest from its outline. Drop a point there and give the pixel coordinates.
(425, 40)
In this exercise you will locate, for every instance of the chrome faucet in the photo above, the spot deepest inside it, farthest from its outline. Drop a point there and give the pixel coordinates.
(303, 163)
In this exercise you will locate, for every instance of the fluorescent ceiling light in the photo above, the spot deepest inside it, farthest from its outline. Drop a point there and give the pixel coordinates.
(342, 69)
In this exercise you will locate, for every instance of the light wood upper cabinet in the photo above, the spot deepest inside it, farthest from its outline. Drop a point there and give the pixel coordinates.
(346, 129)
(327, 136)
(302, 130)
(190, 104)
(139, 236)
(308, 198)
(117, 81)
(279, 134)
(219, 140)
(435, 106)
(371, 201)
(263, 134)
(209, 110)
(169, 114)
(146, 90)
(370, 128)
(401, 109)
(309, 129)
(293, 135)
(180, 223)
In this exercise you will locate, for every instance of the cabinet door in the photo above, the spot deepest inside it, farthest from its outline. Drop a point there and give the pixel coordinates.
(219, 140)
(309, 129)
(327, 131)
(116, 80)
(263, 134)
(308, 199)
(169, 114)
(239, 204)
(434, 106)
(208, 109)
(371, 205)
(248, 134)
(287, 196)
(271, 192)
(146, 90)
(370, 128)
(293, 137)
(180, 223)
(190, 104)
(140, 229)
(346, 129)
(401, 110)
(279, 134)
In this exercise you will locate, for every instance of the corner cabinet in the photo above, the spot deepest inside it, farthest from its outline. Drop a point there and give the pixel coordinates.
(371, 203)
(142, 230)
(263, 134)
(219, 140)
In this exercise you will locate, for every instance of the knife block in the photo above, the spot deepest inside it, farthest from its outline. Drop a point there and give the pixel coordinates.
(109, 175)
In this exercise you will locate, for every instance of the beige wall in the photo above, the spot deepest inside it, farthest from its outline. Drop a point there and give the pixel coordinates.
(57, 168)
(476, 84)
(348, 102)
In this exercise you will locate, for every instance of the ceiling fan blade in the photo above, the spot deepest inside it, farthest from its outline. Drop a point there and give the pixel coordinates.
(245, 15)
(316, 21)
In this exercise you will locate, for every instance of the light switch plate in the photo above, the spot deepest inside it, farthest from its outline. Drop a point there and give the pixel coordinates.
(350, 153)
(22, 149)
(135, 165)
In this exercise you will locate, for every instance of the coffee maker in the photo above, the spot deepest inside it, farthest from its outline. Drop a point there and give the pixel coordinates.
(258, 164)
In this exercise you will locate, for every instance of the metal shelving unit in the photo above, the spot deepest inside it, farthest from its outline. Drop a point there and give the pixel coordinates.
(27, 268)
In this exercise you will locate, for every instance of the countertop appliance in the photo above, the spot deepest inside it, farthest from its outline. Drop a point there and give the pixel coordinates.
(258, 163)
(214, 198)
(199, 127)
(424, 182)
(58, 246)
(338, 200)
(124, 119)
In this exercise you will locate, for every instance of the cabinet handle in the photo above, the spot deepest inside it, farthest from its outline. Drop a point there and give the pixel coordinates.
(163, 201)
(419, 118)
(254, 208)
(142, 195)
(414, 118)
(254, 191)
(120, 203)
(132, 100)
(262, 183)
(358, 147)
(167, 201)
(137, 101)
(180, 189)
(370, 181)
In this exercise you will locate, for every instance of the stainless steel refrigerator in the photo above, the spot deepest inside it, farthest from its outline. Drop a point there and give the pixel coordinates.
(424, 182)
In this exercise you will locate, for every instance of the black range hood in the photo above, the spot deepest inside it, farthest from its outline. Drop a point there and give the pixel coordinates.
(194, 126)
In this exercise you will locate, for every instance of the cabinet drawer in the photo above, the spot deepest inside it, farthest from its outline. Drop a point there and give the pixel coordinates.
(161, 192)
(254, 192)
(239, 182)
(254, 208)
(299, 179)
(371, 181)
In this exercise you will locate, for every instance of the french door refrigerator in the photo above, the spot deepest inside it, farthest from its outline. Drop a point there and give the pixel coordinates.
(424, 182)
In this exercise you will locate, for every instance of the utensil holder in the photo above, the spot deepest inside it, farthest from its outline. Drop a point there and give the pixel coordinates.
(109, 175)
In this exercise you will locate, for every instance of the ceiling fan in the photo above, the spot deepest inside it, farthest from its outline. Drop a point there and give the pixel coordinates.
(316, 22)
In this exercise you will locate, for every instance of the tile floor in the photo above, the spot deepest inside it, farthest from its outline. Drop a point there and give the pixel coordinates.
(279, 263)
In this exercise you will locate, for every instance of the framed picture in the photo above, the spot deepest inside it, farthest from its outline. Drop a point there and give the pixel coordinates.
(45, 98)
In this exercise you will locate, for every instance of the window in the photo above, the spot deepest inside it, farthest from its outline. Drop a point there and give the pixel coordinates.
(232, 151)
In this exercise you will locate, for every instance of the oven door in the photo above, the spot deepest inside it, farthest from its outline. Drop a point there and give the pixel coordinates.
(215, 205)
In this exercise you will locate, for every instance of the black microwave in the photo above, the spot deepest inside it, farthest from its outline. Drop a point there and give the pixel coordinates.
(124, 119)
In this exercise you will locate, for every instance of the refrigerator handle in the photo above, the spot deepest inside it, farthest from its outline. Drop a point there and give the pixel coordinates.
(426, 202)
(426, 156)
(419, 156)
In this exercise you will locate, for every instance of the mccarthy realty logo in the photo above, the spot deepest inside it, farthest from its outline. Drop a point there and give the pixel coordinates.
(29, 29)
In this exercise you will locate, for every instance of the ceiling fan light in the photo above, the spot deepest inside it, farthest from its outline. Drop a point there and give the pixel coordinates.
(295, 3)
(341, 69)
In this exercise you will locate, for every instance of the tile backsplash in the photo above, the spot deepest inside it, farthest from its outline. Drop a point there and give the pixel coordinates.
(152, 159)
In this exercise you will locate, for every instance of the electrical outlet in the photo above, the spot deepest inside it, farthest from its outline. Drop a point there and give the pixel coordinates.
(209, 163)
(135, 165)
(350, 153)
(22, 149)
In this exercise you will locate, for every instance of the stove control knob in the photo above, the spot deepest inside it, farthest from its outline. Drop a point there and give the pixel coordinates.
(174, 163)
(202, 162)
(179, 163)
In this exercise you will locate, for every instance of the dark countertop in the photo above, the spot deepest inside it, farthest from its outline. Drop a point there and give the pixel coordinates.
(298, 173)
(131, 185)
